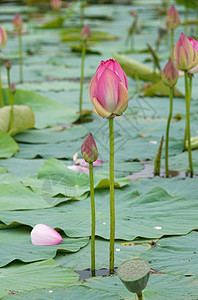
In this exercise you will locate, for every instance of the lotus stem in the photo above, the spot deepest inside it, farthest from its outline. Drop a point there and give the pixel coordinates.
(167, 130)
(172, 42)
(11, 112)
(20, 57)
(112, 196)
(82, 77)
(93, 217)
(187, 100)
(190, 93)
(1, 90)
(140, 296)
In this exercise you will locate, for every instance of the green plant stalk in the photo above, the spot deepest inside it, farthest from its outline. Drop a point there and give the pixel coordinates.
(11, 112)
(82, 13)
(167, 130)
(172, 43)
(112, 196)
(8, 76)
(82, 77)
(190, 92)
(1, 90)
(93, 219)
(187, 100)
(20, 57)
(140, 296)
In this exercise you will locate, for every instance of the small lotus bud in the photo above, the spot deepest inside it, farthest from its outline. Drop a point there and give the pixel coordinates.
(172, 18)
(170, 74)
(13, 88)
(3, 38)
(133, 13)
(89, 149)
(17, 23)
(86, 32)
(44, 235)
(8, 65)
(56, 4)
(184, 55)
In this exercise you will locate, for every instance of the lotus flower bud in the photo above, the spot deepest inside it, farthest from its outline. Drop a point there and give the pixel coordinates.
(13, 88)
(3, 38)
(172, 18)
(8, 65)
(170, 74)
(44, 235)
(86, 32)
(195, 46)
(89, 149)
(108, 89)
(184, 55)
(56, 4)
(17, 23)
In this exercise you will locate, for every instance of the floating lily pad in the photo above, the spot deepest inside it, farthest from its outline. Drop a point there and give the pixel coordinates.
(73, 34)
(8, 146)
(20, 277)
(16, 245)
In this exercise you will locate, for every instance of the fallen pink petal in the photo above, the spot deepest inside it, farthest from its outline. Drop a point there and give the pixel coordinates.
(44, 235)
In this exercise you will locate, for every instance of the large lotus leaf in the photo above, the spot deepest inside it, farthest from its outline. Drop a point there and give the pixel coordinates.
(175, 255)
(55, 23)
(47, 112)
(159, 287)
(152, 215)
(123, 251)
(16, 245)
(161, 90)
(73, 34)
(3, 170)
(52, 135)
(180, 162)
(55, 178)
(23, 118)
(19, 277)
(136, 69)
(8, 146)
(22, 167)
(16, 196)
(72, 292)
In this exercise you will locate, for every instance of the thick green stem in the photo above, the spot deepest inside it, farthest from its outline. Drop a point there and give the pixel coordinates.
(140, 296)
(9, 83)
(112, 196)
(11, 113)
(190, 93)
(172, 43)
(82, 13)
(1, 91)
(82, 77)
(20, 57)
(93, 221)
(167, 130)
(187, 100)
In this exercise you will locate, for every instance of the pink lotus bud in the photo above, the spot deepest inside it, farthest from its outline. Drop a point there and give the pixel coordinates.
(170, 74)
(17, 23)
(8, 65)
(44, 235)
(195, 46)
(193, 43)
(172, 18)
(108, 89)
(13, 88)
(86, 32)
(56, 4)
(133, 13)
(3, 38)
(184, 55)
(89, 149)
